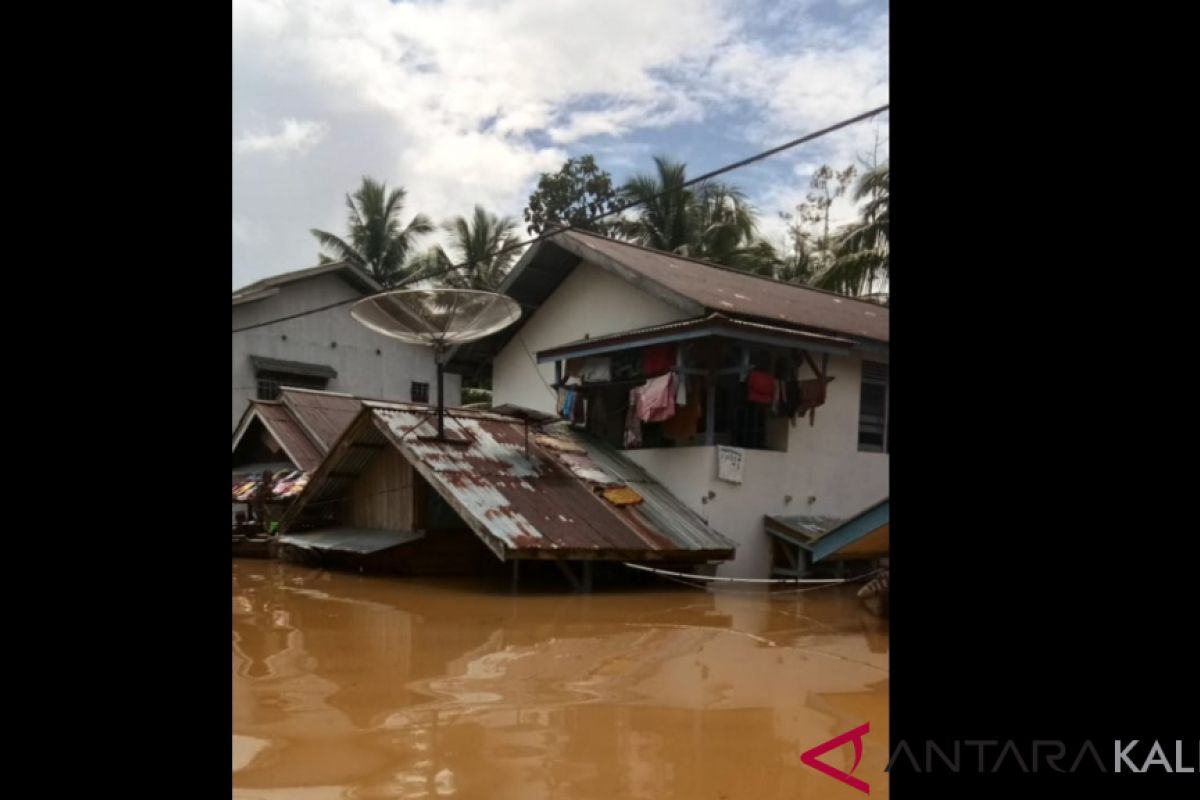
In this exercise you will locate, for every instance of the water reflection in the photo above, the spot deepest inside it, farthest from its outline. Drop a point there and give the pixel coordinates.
(359, 687)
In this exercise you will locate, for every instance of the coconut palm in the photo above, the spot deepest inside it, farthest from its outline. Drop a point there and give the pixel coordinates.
(861, 254)
(475, 243)
(711, 220)
(378, 242)
(664, 220)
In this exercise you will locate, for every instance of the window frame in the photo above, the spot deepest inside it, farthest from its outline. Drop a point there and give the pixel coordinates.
(866, 379)
(280, 381)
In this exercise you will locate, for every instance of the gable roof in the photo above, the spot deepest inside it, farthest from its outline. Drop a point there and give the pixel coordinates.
(525, 495)
(324, 415)
(284, 429)
(863, 535)
(304, 422)
(696, 287)
(356, 276)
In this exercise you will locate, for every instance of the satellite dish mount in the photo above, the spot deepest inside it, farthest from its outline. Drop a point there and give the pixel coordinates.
(441, 319)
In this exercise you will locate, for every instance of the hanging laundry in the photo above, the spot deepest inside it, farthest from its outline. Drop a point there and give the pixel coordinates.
(791, 398)
(812, 394)
(682, 427)
(597, 370)
(633, 425)
(658, 359)
(656, 400)
(562, 402)
(681, 394)
(568, 404)
(760, 388)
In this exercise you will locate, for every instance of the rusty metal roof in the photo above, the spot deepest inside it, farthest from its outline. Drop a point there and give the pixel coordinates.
(714, 324)
(304, 422)
(523, 500)
(695, 287)
(290, 436)
(661, 509)
(732, 291)
(356, 276)
(324, 415)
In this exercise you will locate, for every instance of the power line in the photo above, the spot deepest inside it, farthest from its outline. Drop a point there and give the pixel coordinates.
(617, 210)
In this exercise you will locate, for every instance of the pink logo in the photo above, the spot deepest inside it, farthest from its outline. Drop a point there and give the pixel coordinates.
(810, 757)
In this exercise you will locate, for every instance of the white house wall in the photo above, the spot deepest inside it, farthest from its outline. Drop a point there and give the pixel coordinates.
(821, 473)
(360, 370)
(590, 302)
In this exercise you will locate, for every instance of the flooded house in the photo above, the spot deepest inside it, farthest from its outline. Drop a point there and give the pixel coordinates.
(393, 496)
(746, 397)
(279, 341)
(286, 437)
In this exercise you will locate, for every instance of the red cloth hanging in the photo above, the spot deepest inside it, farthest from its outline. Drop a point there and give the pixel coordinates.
(760, 388)
(657, 359)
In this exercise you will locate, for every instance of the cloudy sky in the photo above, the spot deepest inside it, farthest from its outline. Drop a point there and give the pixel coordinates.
(468, 101)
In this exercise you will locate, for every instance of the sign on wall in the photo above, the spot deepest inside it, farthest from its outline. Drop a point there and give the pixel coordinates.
(729, 463)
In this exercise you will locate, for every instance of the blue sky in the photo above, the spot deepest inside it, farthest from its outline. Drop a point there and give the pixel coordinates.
(465, 101)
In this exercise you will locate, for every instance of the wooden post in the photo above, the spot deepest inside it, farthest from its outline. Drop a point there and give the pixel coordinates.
(710, 412)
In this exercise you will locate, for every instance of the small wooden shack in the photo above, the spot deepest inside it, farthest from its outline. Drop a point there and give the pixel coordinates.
(504, 493)
(286, 437)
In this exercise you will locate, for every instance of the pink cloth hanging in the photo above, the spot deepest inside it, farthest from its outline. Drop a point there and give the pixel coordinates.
(656, 399)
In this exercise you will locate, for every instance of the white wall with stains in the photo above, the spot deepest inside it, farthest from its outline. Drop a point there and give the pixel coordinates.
(368, 364)
(590, 302)
(822, 471)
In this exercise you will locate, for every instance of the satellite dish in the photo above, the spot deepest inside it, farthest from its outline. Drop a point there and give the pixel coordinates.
(437, 318)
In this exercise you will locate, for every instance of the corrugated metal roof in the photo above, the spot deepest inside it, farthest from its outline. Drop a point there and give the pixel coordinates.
(325, 415)
(355, 276)
(660, 509)
(714, 324)
(732, 291)
(800, 529)
(696, 287)
(291, 437)
(523, 501)
(362, 541)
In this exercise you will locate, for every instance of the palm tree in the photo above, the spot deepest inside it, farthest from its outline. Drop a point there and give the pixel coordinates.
(711, 221)
(377, 241)
(664, 221)
(861, 254)
(474, 242)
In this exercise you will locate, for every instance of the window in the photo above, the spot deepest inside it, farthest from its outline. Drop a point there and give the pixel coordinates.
(267, 389)
(420, 392)
(873, 409)
(269, 383)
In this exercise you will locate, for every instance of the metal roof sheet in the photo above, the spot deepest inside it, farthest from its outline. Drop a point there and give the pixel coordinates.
(362, 541)
(524, 500)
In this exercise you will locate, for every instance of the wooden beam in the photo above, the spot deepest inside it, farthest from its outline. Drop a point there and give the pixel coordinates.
(710, 411)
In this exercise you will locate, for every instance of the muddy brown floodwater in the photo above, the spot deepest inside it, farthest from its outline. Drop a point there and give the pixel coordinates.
(347, 686)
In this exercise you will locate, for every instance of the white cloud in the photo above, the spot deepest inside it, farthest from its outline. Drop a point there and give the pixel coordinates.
(246, 231)
(467, 101)
(295, 137)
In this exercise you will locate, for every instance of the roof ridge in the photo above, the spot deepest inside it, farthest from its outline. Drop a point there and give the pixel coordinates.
(305, 272)
(714, 265)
